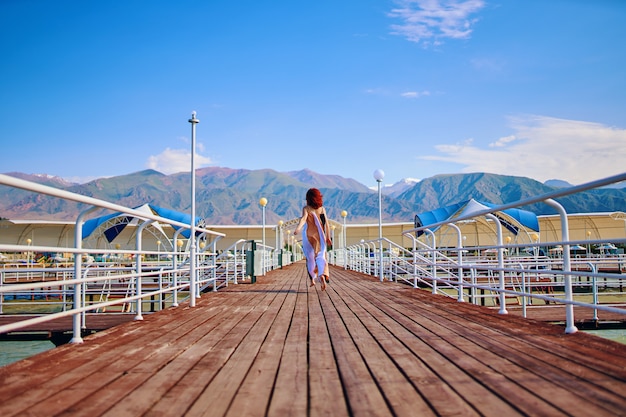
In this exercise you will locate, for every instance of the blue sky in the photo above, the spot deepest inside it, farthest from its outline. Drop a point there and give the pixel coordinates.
(417, 88)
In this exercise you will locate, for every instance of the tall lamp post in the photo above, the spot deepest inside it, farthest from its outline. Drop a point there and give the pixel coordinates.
(192, 231)
(379, 174)
(28, 242)
(344, 214)
(279, 243)
(279, 235)
(263, 203)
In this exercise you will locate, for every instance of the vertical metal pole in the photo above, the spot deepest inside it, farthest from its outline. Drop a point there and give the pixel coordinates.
(78, 259)
(433, 258)
(192, 231)
(344, 214)
(263, 252)
(500, 264)
(380, 230)
(570, 327)
(460, 258)
(139, 268)
(175, 266)
(263, 225)
(263, 203)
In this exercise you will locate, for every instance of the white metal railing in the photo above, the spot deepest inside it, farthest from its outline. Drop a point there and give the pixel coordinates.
(138, 280)
(469, 275)
(132, 281)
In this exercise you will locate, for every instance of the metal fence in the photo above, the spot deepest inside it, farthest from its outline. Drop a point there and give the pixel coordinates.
(493, 275)
(123, 280)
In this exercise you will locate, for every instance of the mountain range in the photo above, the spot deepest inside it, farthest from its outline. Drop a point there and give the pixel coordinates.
(231, 196)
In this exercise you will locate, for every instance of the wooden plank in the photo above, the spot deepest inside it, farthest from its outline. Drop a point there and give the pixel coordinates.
(209, 355)
(137, 389)
(290, 395)
(93, 322)
(114, 366)
(253, 396)
(435, 391)
(363, 347)
(425, 345)
(400, 394)
(30, 384)
(326, 388)
(362, 393)
(218, 394)
(533, 377)
(547, 364)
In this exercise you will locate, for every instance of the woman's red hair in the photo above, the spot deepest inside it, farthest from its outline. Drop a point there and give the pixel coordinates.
(314, 198)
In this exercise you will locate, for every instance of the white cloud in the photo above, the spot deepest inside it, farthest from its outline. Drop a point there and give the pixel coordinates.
(430, 21)
(545, 148)
(502, 142)
(171, 161)
(415, 94)
(377, 91)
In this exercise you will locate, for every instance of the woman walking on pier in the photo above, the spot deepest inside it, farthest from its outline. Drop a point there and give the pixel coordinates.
(315, 236)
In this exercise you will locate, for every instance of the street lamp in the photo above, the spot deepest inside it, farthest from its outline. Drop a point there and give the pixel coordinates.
(192, 231)
(202, 245)
(263, 203)
(279, 235)
(379, 174)
(158, 251)
(179, 243)
(344, 214)
(28, 242)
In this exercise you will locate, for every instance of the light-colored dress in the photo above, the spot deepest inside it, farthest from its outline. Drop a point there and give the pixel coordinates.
(314, 246)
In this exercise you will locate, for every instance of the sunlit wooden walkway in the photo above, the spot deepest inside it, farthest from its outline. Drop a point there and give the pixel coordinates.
(362, 347)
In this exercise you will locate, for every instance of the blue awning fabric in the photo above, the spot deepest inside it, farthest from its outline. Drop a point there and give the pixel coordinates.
(114, 224)
(511, 219)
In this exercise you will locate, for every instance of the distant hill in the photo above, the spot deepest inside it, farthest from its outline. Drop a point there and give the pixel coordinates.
(558, 184)
(399, 187)
(231, 196)
(442, 190)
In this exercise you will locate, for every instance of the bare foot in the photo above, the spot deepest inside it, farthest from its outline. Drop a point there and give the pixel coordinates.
(312, 284)
(323, 284)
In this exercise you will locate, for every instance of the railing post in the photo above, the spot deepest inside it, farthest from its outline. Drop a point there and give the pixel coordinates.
(502, 295)
(460, 261)
(175, 266)
(594, 289)
(414, 252)
(138, 267)
(569, 307)
(192, 226)
(433, 256)
(78, 260)
(524, 298)
(473, 280)
(213, 265)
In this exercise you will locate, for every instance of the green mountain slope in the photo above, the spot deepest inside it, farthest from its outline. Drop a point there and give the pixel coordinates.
(231, 196)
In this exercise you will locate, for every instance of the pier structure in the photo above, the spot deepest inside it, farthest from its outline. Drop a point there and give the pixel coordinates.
(424, 326)
(280, 347)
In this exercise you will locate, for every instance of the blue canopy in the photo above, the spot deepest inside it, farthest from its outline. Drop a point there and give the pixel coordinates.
(511, 219)
(115, 223)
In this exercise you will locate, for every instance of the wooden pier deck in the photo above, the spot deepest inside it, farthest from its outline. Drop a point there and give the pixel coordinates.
(361, 348)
